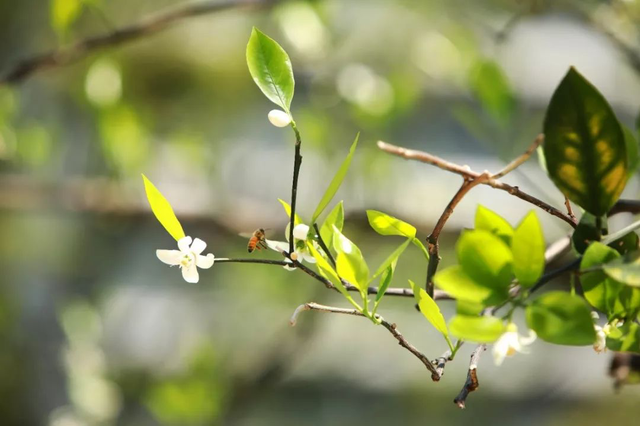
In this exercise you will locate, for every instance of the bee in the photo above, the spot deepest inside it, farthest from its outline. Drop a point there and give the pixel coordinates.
(257, 240)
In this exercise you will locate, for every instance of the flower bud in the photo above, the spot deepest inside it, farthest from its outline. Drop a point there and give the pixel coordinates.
(294, 256)
(279, 118)
(300, 231)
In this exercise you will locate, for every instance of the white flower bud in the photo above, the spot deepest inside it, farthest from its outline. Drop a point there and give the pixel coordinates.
(279, 118)
(300, 232)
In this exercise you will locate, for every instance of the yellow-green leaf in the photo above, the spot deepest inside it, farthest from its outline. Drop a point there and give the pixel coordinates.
(430, 309)
(162, 210)
(528, 249)
(384, 224)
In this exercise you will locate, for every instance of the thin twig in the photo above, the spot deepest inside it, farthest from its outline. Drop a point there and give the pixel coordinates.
(567, 204)
(389, 326)
(521, 159)
(144, 27)
(471, 384)
(324, 246)
(470, 174)
(297, 162)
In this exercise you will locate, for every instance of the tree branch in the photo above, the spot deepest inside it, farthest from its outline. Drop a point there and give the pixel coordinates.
(521, 159)
(324, 246)
(144, 27)
(389, 326)
(471, 384)
(297, 162)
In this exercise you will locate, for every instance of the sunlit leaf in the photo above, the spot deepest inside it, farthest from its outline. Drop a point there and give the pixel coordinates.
(392, 258)
(336, 182)
(625, 269)
(350, 263)
(270, 68)
(162, 210)
(488, 220)
(455, 281)
(385, 280)
(430, 310)
(64, 13)
(485, 258)
(481, 329)
(384, 224)
(287, 210)
(528, 249)
(416, 242)
(328, 271)
(584, 145)
(560, 318)
(334, 218)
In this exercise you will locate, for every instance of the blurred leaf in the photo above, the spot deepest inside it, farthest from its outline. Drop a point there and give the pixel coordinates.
(599, 290)
(455, 281)
(541, 160)
(625, 338)
(473, 123)
(491, 86)
(162, 210)
(350, 264)
(625, 269)
(430, 310)
(626, 244)
(270, 68)
(560, 318)
(336, 182)
(392, 259)
(528, 251)
(465, 307)
(63, 14)
(481, 329)
(334, 218)
(488, 220)
(584, 145)
(632, 150)
(485, 258)
(34, 145)
(384, 224)
(124, 139)
(287, 210)
(587, 231)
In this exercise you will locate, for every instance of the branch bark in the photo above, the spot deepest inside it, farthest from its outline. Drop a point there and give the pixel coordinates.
(471, 384)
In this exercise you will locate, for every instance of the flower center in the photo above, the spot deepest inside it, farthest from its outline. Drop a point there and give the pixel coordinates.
(187, 260)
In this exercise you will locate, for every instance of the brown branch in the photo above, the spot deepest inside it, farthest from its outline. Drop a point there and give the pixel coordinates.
(144, 27)
(567, 204)
(467, 173)
(521, 159)
(392, 328)
(471, 384)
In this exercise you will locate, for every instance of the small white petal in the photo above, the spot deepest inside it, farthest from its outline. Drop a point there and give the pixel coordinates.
(198, 246)
(307, 257)
(300, 231)
(279, 118)
(278, 246)
(170, 257)
(205, 262)
(529, 339)
(499, 352)
(184, 243)
(190, 274)
(289, 268)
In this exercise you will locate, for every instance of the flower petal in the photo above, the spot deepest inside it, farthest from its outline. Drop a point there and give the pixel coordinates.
(306, 256)
(278, 246)
(190, 274)
(300, 231)
(205, 262)
(170, 257)
(184, 243)
(198, 246)
(529, 339)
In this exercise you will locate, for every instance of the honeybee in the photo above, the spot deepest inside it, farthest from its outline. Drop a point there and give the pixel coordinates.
(257, 240)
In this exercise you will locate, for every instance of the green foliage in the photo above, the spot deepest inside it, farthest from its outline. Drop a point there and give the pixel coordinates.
(625, 338)
(385, 281)
(391, 259)
(64, 13)
(334, 218)
(633, 158)
(588, 230)
(328, 272)
(335, 182)
(287, 210)
(350, 263)
(625, 269)
(560, 318)
(585, 146)
(485, 258)
(431, 311)
(271, 69)
(162, 210)
(488, 220)
(455, 281)
(125, 139)
(481, 329)
(528, 251)
(491, 86)
(384, 224)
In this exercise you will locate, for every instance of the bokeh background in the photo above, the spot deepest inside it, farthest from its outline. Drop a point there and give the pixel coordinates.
(94, 330)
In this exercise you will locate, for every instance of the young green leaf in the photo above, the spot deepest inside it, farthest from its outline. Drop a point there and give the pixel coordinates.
(287, 210)
(334, 218)
(270, 68)
(416, 242)
(430, 310)
(584, 145)
(384, 224)
(385, 280)
(560, 318)
(350, 263)
(328, 271)
(162, 210)
(481, 329)
(485, 258)
(488, 220)
(528, 249)
(599, 290)
(625, 338)
(336, 182)
(625, 269)
(393, 258)
(455, 281)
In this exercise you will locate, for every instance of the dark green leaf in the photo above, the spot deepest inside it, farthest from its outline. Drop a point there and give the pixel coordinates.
(560, 318)
(584, 145)
(270, 68)
(336, 182)
(481, 329)
(458, 284)
(632, 150)
(485, 258)
(384, 224)
(528, 251)
(626, 244)
(488, 220)
(587, 231)
(625, 339)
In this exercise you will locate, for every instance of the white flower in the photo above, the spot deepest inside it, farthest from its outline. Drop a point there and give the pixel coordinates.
(511, 342)
(279, 118)
(600, 344)
(300, 249)
(189, 258)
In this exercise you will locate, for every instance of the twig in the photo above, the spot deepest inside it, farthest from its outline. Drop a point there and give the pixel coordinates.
(297, 162)
(432, 239)
(521, 159)
(324, 246)
(470, 174)
(144, 27)
(567, 204)
(471, 384)
(389, 326)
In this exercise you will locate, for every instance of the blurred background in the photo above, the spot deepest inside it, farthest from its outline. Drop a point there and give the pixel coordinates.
(94, 330)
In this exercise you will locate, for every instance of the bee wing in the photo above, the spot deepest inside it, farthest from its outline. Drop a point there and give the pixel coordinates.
(246, 234)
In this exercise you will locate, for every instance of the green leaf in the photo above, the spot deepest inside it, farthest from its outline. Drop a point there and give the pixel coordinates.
(481, 329)
(633, 158)
(560, 318)
(287, 210)
(455, 281)
(528, 251)
(64, 13)
(465, 307)
(626, 244)
(393, 258)
(270, 68)
(625, 269)
(416, 242)
(621, 233)
(385, 280)
(488, 220)
(162, 210)
(485, 258)
(328, 271)
(336, 182)
(625, 339)
(350, 263)
(491, 86)
(384, 224)
(334, 218)
(599, 290)
(584, 145)
(587, 231)
(430, 310)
